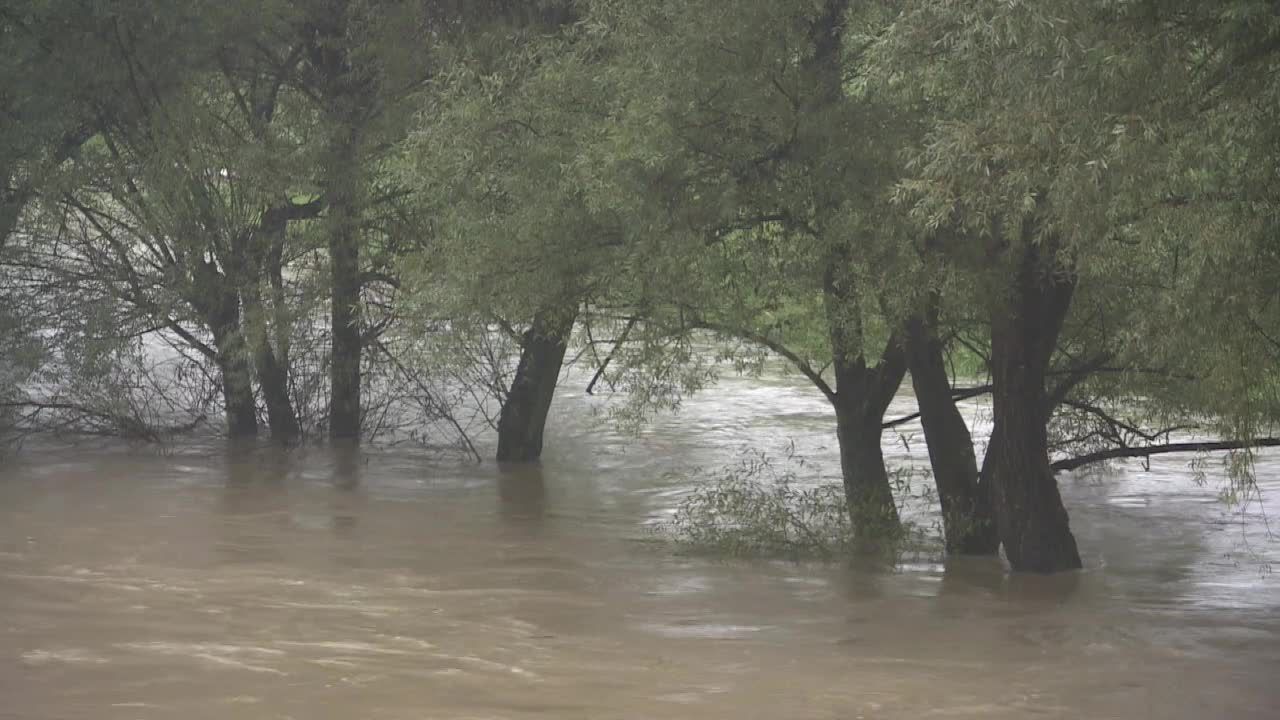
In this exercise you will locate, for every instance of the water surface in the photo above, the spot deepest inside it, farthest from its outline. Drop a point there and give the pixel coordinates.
(393, 584)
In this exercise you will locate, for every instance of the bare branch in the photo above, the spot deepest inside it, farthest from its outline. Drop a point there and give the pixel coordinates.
(1165, 449)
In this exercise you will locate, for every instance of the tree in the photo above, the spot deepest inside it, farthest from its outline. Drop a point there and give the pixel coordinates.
(111, 166)
(1046, 211)
(762, 172)
(521, 247)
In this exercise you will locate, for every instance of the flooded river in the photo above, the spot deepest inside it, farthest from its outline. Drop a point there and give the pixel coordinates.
(315, 585)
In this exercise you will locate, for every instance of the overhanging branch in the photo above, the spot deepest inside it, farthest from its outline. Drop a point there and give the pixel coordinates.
(1166, 449)
(776, 347)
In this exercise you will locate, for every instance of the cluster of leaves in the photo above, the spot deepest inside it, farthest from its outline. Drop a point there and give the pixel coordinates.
(760, 507)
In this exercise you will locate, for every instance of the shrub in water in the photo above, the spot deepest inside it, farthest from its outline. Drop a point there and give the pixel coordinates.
(754, 509)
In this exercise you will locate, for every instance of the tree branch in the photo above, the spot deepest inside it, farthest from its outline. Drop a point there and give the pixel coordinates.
(1149, 450)
(776, 347)
(956, 394)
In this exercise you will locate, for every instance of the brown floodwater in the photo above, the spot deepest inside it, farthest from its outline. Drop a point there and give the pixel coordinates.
(314, 584)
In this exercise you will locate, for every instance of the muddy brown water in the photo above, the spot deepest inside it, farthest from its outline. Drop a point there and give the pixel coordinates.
(200, 584)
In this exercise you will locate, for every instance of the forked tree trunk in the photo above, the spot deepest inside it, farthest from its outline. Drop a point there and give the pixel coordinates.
(524, 414)
(967, 522)
(1030, 516)
(861, 398)
(867, 490)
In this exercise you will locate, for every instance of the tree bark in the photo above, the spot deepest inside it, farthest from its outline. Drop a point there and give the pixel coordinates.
(233, 365)
(11, 204)
(346, 91)
(862, 395)
(524, 414)
(967, 522)
(1030, 516)
(273, 378)
(217, 301)
(344, 264)
(264, 261)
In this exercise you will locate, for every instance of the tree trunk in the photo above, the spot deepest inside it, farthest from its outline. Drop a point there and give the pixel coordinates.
(11, 204)
(967, 522)
(217, 301)
(233, 364)
(862, 395)
(344, 264)
(273, 378)
(1030, 516)
(264, 260)
(524, 414)
(867, 491)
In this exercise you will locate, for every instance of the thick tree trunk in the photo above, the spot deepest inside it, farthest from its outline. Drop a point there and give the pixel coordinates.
(524, 414)
(1030, 516)
(862, 395)
(967, 521)
(216, 299)
(344, 264)
(867, 491)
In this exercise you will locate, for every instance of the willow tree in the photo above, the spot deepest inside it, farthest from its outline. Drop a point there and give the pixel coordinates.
(516, 247)
(767, 168)
(1054, 135)
(127, 181)
(365, 68)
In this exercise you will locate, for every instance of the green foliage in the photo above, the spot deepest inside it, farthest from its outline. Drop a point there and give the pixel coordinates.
(760, 509)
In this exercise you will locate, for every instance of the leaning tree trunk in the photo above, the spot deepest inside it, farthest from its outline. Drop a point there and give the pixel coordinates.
(1030, 516)
(967, 522)
(344, 264)
(265, 260)
(273, 378)
(524, 413)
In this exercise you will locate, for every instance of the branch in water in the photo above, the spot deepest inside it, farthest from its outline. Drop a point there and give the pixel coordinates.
(1149, 450)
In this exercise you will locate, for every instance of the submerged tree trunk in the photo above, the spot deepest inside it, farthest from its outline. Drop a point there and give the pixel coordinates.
(861, 398)
(867, 490)
(272, 367)
(1030, 516)
(344, 264)
(346, 91)
(215, 298)
(524, 414)
(233, 365)
(968, 525)
(273, 378)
